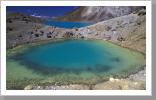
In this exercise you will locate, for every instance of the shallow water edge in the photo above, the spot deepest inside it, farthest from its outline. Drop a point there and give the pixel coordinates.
(38, 43)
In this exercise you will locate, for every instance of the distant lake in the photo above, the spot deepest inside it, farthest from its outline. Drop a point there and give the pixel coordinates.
(68, 25)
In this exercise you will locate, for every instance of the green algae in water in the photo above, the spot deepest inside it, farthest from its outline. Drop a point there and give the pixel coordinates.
(72, 61)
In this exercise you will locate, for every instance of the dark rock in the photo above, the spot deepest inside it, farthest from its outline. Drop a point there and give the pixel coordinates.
(49, 36)
(11, 47)
(32, 32)
(20, 35)
(9, 20)
(120, 39)
(37, 35)
(71, 34)
(143, 38)
(96, 34)
(68, 34)
(56, 34)
(139, 23)
(9, 29)
(82, 36)
(108, 28)
(50, 32)
(42, 32)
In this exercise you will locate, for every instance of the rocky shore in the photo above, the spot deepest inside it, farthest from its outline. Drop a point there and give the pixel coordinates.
(133, 82)
(128, 31)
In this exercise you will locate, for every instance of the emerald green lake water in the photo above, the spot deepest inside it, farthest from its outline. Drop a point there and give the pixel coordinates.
(72, 61)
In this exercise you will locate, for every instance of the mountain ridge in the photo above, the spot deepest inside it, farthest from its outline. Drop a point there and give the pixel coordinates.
(96, 14)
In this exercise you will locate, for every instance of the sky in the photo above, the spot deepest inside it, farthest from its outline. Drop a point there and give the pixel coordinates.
(41, 11)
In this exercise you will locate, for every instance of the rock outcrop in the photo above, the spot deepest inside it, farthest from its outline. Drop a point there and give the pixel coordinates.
(97, 13)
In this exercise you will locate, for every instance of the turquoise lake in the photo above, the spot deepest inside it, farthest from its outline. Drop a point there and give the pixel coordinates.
(71, 61)
(68, 25)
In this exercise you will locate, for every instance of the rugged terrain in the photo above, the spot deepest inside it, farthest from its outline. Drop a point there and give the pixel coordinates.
(127, 31)
(95, 14)
(22, 28)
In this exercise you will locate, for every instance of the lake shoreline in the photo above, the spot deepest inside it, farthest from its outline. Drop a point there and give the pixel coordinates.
(133, 82)
(79, 86)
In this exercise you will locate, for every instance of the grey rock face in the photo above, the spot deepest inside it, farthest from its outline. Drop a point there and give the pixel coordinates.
(98, 13)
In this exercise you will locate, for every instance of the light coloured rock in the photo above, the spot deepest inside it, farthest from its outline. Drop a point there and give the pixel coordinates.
(135, 83)
(116, 79)
(111, 79)
(29, 87)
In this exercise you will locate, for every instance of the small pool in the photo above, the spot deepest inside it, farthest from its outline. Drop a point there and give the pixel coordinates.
(68, 25)
(71, 61)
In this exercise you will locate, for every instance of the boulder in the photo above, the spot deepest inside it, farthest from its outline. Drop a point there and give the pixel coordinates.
(37, 35)
(108, 28)
(76, 29)
(120, 39)
(29, 87)
(142, 12)
(49, 36)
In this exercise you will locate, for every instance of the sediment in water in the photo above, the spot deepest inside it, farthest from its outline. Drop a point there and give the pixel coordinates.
(41, 77)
